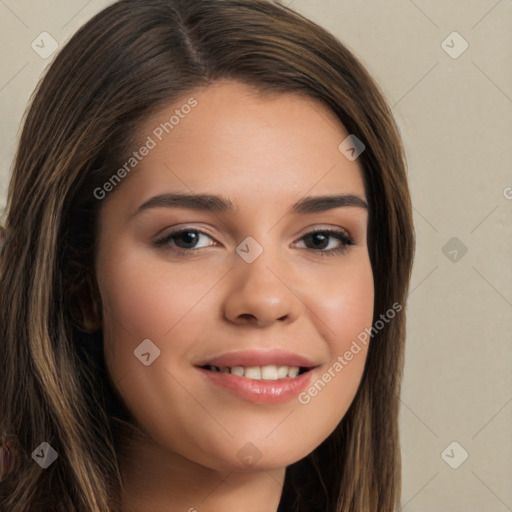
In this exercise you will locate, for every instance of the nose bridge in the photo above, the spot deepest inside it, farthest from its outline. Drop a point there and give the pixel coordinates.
(258, 287)
(259, 259)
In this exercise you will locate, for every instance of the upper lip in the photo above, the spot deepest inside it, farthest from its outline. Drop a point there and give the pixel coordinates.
(259, 357)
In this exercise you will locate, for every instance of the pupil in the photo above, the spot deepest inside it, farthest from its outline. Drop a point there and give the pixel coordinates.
(189, 236)
(320, 236)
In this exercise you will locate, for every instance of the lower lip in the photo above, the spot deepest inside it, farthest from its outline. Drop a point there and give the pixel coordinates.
(261, 391)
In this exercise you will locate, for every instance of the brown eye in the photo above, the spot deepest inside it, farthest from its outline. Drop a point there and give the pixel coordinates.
(183, 240)
(320, 240)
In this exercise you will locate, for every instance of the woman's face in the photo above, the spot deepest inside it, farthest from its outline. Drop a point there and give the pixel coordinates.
(246, 284)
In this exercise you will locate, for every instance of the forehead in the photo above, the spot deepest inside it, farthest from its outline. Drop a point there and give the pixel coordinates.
(255, 148)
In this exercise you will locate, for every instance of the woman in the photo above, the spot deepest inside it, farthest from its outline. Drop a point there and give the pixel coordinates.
(251, 372)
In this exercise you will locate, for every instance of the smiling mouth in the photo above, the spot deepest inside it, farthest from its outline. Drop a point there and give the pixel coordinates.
(268, 372)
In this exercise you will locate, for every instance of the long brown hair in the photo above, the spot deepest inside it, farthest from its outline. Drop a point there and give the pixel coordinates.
(129, 60)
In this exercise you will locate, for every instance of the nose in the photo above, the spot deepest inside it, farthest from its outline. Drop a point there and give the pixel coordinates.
(261, 293)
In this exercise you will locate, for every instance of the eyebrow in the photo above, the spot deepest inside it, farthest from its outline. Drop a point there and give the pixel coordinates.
(213, 203)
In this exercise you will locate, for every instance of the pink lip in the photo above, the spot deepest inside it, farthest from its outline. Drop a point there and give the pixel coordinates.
(260, 391)
(260, 357)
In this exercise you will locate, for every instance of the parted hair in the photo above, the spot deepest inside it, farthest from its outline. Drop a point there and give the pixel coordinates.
(128, 61)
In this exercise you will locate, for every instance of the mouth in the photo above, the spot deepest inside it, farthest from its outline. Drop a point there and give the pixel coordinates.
(259, 376)
(267, 372)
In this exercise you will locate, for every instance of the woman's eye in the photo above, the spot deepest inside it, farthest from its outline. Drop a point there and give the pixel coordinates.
(183, 240)
(319, 239)
(323, 241)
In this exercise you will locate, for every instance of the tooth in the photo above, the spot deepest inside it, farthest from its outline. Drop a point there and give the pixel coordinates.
(282, 372)
(269, 372)
(253, 372)
(293, 371)
(237, 370)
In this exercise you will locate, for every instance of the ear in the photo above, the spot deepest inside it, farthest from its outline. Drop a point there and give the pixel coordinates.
(89, 306)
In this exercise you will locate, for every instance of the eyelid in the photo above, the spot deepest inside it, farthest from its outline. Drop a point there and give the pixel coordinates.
(326, 227)
(314, 227)
(162, 240)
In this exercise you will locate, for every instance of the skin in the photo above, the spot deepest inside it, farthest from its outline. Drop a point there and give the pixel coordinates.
(263, 153)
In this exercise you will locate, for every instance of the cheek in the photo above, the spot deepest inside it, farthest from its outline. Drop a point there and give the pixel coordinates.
(343, 307)
(347, 306)
(341, 301)
(144, 299)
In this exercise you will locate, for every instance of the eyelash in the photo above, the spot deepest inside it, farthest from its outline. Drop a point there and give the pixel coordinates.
(346, 240)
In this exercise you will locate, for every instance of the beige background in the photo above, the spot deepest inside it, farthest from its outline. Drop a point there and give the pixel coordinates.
(455, 118)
